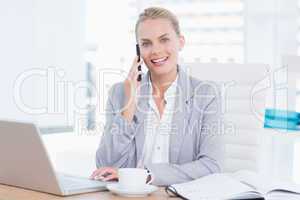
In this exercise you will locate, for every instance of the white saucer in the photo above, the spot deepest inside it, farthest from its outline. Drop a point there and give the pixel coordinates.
(115, 188)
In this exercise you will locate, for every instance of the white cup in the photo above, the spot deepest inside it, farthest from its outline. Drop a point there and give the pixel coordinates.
(133, 178)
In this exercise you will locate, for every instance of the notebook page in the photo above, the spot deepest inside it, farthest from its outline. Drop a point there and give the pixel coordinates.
(267, 185)
(285, 187)
(214, 186)
(252, 179)
(282, 195)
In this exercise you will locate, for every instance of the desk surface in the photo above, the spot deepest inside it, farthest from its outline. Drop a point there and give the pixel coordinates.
(13, 193)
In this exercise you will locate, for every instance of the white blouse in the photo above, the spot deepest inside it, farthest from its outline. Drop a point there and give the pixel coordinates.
(157, 133)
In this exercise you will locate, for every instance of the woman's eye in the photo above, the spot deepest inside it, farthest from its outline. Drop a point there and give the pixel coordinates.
(145, 44)
(165, 39)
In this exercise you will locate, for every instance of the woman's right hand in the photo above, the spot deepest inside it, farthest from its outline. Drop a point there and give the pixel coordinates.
(131, 87)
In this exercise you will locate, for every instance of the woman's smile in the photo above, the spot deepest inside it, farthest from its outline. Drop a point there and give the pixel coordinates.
(159, 61)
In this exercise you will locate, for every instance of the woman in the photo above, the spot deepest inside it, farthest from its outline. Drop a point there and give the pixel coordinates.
(165, 123)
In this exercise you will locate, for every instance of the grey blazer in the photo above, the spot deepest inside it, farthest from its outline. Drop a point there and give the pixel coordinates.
(195, 142)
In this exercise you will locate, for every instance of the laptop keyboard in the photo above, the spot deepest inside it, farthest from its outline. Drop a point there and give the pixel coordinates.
(71, 182)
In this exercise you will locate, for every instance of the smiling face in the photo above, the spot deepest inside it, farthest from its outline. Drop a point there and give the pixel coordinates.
(159, 45)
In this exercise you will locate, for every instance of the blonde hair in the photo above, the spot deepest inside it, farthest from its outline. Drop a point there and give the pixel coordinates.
(156, 13)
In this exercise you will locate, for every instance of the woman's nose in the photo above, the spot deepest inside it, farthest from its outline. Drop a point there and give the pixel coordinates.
(157, 48)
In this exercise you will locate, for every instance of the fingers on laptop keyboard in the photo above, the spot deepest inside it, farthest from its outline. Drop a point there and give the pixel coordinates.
(106, 173)
(110, 177)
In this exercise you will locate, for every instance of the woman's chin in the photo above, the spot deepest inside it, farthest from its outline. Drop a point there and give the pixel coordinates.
(161, 72)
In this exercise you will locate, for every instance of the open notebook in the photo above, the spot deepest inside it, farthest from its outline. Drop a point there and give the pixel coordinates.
(240, 185)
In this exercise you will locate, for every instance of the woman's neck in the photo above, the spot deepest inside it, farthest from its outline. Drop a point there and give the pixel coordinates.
(162, 83)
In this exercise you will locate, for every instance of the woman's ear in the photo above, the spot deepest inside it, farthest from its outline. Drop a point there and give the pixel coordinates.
(181, 42)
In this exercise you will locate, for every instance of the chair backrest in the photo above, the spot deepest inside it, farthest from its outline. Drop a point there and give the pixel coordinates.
(243, 103)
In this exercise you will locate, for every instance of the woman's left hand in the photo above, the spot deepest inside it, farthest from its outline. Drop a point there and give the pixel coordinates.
(105, 174)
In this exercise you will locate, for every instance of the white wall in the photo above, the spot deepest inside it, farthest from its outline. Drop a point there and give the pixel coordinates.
(16, 50)
(36, 35)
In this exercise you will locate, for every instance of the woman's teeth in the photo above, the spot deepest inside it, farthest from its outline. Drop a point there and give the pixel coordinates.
(159, 61)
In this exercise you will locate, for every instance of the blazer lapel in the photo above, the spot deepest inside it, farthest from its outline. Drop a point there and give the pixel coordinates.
(181, 115)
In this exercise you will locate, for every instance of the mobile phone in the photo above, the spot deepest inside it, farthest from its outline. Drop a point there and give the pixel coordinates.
(138, 53)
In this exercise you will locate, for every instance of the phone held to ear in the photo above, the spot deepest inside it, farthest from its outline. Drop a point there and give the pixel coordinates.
(138, 53)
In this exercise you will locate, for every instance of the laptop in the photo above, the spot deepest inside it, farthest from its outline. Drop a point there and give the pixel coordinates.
(24, 162)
